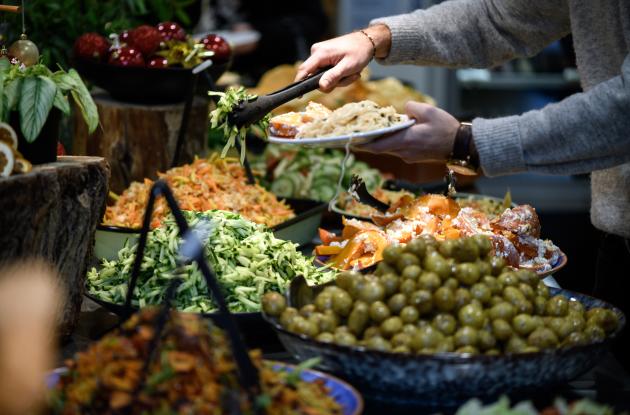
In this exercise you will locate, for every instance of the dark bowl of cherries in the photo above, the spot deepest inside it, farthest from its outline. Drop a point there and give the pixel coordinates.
(149, 64)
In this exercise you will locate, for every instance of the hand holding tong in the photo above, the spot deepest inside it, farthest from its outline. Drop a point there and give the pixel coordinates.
(248, 112)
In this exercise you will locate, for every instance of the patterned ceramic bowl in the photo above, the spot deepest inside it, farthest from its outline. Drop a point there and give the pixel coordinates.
(445, 379)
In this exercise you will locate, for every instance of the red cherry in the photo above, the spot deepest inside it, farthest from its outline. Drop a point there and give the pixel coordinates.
(220, 47)
(61, 151)
(91, 46)
(146, 39)
(125, 38)
(171, 31)
(158, 62)
(126, 56)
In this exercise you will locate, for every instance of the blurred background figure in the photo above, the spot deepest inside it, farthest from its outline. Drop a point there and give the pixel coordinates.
(30, 302)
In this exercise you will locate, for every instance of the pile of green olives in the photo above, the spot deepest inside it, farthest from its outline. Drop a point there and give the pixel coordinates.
(450, 296)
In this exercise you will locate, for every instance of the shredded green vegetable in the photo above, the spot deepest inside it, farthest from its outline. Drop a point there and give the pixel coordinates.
(219, 118)
(502, 407)
(246, 257)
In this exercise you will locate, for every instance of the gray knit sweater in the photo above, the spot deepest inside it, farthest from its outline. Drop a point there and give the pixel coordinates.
(587, 132)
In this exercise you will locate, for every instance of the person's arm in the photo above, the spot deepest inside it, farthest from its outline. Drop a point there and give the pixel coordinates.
(584, 132)
(477, 33)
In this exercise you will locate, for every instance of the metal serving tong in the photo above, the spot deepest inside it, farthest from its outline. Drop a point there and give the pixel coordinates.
(248, 112)
(359, 191)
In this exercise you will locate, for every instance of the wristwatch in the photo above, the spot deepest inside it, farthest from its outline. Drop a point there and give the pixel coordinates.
(464, 158)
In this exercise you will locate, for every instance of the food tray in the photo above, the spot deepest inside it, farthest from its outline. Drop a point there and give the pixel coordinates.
(301, 229)
(446, 379)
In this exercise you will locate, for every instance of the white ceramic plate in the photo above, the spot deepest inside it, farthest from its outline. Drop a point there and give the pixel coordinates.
(341, 140)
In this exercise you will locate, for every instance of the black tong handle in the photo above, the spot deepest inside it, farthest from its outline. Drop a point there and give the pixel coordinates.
(248, 112)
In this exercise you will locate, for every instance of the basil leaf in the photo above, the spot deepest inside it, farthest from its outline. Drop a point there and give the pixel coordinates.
(36, 100)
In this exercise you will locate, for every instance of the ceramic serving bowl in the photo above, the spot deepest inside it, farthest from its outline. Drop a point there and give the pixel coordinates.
(343, 393)
(444, 379)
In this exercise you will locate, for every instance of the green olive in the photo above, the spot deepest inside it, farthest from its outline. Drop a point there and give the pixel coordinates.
(576, 338)
(594, 333)
(444, 299)
(486, 340)
(356, 286)
(538, 321)
(528, 277)
(508, 279)
(429, 281)
(497, 264)
(451, 283)
(513, 295)
(341, 329)
(287, 316)
(523, 324)
(495, 299)
(345, 339)
(501, 329)
(418, 247)
(407, 286)
(325, 337)
(342, 303)
(447, 345)
(401, 339)
(467, 350)
(379, 311)
(481, 292)
(527, 291)
(391, 326)
(560, 326)
(345, 279)
(328, 322)
(273, 303)
(576, 321)
(434, 262)
(323, 301)
(372, 291)
(426, 337)
(557, 306)
(515, 344)
(405, 260)
(492, 284)
(412, 272)
(543, 338)
(422, 300)
(483, 243)
(301, 325)
(371, 332)
(530, 349)
(445, 323)
(378, 343)
(409, 329)
(467, 273)
(429, 241)
(492, 352)
(540, 305)
(462, 297)
(401, 350)
(603, 317)
(471, 315)
(397, 302)
(391, 283)
(503, 310)
(358, 319)
(575, 306)
(525, 307)
(384, 268)
(466, 250)
(409, 314)
(307, 310)
(542, 290)
(446, 247)
(392, 254)
(466, 336)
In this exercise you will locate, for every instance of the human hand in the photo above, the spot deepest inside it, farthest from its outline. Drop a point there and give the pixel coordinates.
(348, 55)
(429, 140)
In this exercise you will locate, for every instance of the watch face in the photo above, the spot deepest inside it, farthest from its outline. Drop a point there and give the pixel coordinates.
(461, 169)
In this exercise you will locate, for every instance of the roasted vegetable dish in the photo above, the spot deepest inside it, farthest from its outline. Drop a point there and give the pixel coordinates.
(515, 234)
(246, 257)
(206, 184)
(444, 296)
(311, 173)
(191, 372)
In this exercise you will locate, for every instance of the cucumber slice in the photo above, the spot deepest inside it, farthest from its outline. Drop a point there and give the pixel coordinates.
(287, 185)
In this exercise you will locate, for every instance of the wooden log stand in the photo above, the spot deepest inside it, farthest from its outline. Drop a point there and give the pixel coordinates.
(140, 140)
(52, 213)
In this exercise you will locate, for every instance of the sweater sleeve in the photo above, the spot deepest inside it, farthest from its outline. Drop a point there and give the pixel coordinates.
(475, 33)
(584, 132)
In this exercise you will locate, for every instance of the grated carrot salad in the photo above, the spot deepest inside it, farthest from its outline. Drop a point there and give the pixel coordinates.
(205, 184)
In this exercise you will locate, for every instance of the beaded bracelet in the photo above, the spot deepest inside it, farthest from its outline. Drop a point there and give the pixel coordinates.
(371, 41)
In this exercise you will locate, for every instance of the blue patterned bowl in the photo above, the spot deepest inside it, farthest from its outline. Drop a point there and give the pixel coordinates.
(344, 394)
(446, 379)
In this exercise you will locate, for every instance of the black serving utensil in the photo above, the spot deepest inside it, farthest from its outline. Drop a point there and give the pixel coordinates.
(248, 112)
(359, 191)
(192, 249)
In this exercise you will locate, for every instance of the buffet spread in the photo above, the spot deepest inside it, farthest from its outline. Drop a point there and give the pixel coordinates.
(435, 300)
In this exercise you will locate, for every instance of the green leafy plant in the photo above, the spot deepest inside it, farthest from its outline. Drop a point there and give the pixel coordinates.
(34, 90)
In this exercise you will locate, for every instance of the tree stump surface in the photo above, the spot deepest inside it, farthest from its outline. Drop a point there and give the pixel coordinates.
(52, 213)
(139, 140)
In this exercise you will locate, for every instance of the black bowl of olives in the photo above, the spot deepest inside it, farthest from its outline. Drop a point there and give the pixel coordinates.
(437, 324)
